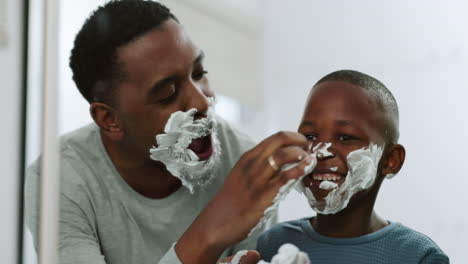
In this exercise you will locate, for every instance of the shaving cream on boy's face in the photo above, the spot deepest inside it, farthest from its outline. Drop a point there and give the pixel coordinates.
(189, 148)
(362, 171)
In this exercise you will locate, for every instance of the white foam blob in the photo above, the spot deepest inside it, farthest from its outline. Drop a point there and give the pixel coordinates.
(362, 171)
(328, 185)
(321, 149)
(334, 168)
(288, 254)
(172, 148)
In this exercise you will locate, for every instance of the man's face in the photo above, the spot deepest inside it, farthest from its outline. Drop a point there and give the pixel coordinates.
(163, 74)
(344, 115)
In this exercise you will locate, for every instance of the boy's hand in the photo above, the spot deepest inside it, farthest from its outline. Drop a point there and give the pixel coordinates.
(250, 257)
(248, 190)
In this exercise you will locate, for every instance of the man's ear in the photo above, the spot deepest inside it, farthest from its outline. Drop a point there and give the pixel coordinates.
(394, 159)
(107, 119)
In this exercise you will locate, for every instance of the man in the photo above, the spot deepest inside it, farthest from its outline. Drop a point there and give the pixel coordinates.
(144, 77)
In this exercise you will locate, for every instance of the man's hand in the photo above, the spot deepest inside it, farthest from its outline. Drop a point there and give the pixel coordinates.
(248, 257)
(288, 254)
(248, 190)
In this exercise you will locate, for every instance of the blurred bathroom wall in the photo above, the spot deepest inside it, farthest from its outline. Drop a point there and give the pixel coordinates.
(264, 56)
(419, 49)
(11, 68)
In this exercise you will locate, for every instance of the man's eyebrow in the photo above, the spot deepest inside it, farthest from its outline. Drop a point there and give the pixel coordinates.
(199, 58)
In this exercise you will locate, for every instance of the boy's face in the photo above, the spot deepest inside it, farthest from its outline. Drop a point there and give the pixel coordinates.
(342, 114)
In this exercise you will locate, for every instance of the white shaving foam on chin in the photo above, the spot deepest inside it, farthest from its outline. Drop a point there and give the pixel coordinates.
(283, 192)
(288, 254)
(172, 148)
(362, 171)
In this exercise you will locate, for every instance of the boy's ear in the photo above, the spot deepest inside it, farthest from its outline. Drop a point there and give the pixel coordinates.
(394, 159)
(107, 119)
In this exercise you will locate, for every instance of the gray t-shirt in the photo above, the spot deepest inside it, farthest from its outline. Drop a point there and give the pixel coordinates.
(103, 220)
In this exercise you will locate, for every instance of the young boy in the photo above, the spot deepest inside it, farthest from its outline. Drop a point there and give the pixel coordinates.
(356, 118)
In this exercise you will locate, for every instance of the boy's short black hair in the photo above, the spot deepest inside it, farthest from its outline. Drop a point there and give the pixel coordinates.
(93, 58)
(381, 95)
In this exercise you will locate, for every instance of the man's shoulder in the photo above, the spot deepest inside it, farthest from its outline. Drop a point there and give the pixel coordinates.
(228, 132)
(80, 137)
(77, 149)
(234, 143)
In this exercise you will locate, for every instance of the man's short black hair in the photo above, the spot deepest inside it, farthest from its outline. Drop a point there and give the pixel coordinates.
(379, 93)
(93, 58)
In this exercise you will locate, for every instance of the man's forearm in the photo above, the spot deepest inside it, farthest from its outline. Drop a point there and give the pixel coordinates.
(199, 245)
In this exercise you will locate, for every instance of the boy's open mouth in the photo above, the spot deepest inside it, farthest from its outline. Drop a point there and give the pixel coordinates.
(202, 146)
(318, 177)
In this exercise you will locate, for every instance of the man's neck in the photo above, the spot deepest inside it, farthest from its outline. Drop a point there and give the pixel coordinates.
(352, 221)
(146, 177)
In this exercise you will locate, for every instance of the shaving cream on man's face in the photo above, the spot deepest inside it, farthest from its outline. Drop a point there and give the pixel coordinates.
(362, 172)
(189, 148)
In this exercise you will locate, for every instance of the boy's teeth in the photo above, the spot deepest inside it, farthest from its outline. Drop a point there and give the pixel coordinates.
(326, 177)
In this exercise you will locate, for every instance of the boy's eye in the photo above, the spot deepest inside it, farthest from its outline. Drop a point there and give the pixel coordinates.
(311, 137)
(198, 75)
(346, 138)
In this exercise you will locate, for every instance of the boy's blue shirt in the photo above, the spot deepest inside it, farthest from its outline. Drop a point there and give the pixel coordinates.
(394, 243)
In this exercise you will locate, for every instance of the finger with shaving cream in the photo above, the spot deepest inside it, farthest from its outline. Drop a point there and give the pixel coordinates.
(284, 191)
(320, 151)
(362, 172)
(172, 148)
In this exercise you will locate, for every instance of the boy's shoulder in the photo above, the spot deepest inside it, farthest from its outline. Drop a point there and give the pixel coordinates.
(409, 238)
(410, 244)
(289, 231)
(290, 227)
(396, 232)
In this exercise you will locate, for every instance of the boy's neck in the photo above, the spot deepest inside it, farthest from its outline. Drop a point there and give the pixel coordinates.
(348, 223)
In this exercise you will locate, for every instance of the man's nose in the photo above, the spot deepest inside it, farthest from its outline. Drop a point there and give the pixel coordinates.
(197, 99)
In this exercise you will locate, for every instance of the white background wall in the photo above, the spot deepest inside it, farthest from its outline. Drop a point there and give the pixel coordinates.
(10, 107)
(419, 49)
